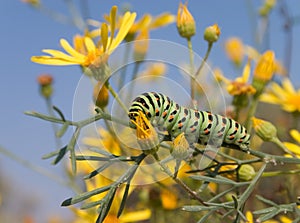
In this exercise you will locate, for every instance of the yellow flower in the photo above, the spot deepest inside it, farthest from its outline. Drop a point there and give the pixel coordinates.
(250, 219)
(294, 148)
(234, 49)
(265, 67)
(286, 96)
(149, 22)
(169, 199)
(105, 141)
(186, 25)
(239, 86)
(146, 134)
(85, 51)
(155, 69)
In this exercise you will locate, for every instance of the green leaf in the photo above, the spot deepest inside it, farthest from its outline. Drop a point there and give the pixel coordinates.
(197, 208)
(62, 152)
(98, 170)
(91, 204)
(84, 196)
(62, 130)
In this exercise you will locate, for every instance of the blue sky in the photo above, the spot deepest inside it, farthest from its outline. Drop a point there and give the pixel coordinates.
(25, 32)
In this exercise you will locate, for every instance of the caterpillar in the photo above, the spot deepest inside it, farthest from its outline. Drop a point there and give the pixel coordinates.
(198, 126)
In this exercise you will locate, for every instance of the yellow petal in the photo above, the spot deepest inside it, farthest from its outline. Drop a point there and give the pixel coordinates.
(293, 147)
(162, 20)
(269, 98)
(51, 61)
(295, 134)
(104, 36)
(89, 44)
(249, 217)
(67, 47)
(136, 216)
(113, 14)
(62, 56)
(246, 72)
(278, 90)
(127, 22)
(287, 86)
(143, 23)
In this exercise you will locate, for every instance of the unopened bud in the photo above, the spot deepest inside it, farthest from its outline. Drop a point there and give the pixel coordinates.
(45, 82)
(186, 25)
(212, 33)
(264, 71)
(101, 95)
(264, 129)
(246, 172)
(180, 147)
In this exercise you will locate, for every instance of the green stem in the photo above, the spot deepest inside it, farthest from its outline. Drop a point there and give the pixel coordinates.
(282, 146)
(277, 173)
(191, 54)
(54, 127)
(204, 59)
(115, 95)
(251, 113)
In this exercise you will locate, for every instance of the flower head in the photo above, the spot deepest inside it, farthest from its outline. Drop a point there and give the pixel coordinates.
(240, 85)
(234, 49)
(285, 95)
(85, 52)
(100, 95)
(186, 25)
(146, 135)
(265, 67)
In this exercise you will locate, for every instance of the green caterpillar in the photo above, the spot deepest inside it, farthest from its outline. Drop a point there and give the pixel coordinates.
(199, 126)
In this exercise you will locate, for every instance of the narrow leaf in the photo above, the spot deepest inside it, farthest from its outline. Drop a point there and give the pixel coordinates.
(85, 196)
(124, 198)
(62, 130)
(62, 152)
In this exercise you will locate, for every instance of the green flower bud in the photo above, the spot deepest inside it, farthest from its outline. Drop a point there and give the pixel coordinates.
(212, 33)
(265, 130)
(45, 82)
(246, 172)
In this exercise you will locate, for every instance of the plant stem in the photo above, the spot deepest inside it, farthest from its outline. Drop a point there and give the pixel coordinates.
(191, 54)
(54, 127)
(115, 95)
(204, 59)
(251, 113)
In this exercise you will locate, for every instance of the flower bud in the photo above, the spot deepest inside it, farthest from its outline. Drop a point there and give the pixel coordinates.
(180, 147)
(246, 172)
(45, 82)
(100, 95)
(267, 7)
(265, 130)
(264, 71)
(212, 33)
(186, 25)
(146, 135)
